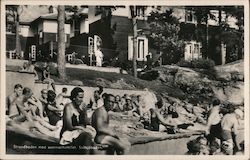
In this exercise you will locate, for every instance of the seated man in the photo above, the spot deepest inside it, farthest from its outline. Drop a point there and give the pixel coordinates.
(11, 109)
(229, 130)
(100, 121)
(62, 98)
(53, 110)
(26, 118)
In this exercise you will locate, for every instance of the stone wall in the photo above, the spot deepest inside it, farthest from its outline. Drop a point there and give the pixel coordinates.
(148, 97)
(26, 79)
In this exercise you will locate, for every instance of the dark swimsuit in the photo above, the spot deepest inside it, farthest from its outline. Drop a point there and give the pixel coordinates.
(155, 123)
(82, 121)
(52, 115)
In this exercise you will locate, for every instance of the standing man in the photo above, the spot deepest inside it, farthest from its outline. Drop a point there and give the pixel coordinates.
(99, 58)
(213, 127)
(104, 135)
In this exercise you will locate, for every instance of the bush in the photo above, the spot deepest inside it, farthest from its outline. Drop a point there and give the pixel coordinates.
(197, 63)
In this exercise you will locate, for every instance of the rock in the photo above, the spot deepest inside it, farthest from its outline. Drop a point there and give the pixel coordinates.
(233, 93)
(121, 84)
(184, 76)
(236, 76)
(223, 76)
(76, 83)
(150, 75)
(102, 82)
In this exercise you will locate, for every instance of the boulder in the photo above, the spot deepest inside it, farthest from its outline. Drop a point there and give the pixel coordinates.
(76, 83)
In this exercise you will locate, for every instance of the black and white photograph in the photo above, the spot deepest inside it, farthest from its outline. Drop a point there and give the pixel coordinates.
(125, 79)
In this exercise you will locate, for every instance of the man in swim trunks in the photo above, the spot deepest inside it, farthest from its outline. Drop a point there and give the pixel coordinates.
(100, 121)
(229, 129)
(10, 108)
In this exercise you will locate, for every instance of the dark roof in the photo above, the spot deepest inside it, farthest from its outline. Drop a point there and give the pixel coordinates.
(50, 16)
(24, 23)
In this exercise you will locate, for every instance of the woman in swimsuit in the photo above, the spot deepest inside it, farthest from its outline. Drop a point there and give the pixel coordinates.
(75, 130)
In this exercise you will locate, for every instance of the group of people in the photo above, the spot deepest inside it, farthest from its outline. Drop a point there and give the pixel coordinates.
(222, 129)
(127, 104)
(64, 117)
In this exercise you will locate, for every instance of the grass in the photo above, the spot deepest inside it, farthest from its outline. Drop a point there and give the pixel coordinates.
(90, 78)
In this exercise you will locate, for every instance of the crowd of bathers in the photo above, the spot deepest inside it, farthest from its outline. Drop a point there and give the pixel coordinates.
(67, 117)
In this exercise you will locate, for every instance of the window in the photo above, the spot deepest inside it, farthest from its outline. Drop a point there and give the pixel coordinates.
(192, 50)
(10, 28)
(140, 51)
(196, 48)
(140, 11)
(77, 27)
(190, 17)
(33, 52)
(142, 48)
(40, 37)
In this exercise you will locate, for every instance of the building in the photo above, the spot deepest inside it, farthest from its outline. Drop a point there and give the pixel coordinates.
(112, 27)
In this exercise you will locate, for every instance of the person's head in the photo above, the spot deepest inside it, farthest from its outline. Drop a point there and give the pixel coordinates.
(44, 93)
(117, 98)
(27, 93)
(216, 102)
(239, 113)
(64, 90)
(96, 95)
(139, 98)
(100, 89)
(51, 96)
(25, 65)
(160, 103)
(18, 89)
(47, 67)
(76, 96)
(128, 99)
(109, 103)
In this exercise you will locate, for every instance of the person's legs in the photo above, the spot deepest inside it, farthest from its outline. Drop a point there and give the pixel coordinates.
(41, 128)
(120, 145)
(84, 139)
(46, 124)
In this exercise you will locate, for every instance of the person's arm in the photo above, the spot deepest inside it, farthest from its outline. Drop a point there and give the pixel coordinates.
(236, 132)
(44, 74)
(53, 108)
(211, 118)
(20, 106)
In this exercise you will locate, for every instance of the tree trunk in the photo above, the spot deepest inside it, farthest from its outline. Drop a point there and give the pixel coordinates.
(207, 40)
(61, 43)
(135, 47)
(221, 41)
(18, 43)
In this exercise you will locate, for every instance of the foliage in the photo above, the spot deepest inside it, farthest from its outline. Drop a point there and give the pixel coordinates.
(163, 33)
(197, 63)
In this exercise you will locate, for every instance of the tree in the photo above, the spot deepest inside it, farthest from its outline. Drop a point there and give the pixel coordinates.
(203, 14)
(15, 11)
(134, 22)
(236, 35)
(61, 43)
(164, 29)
